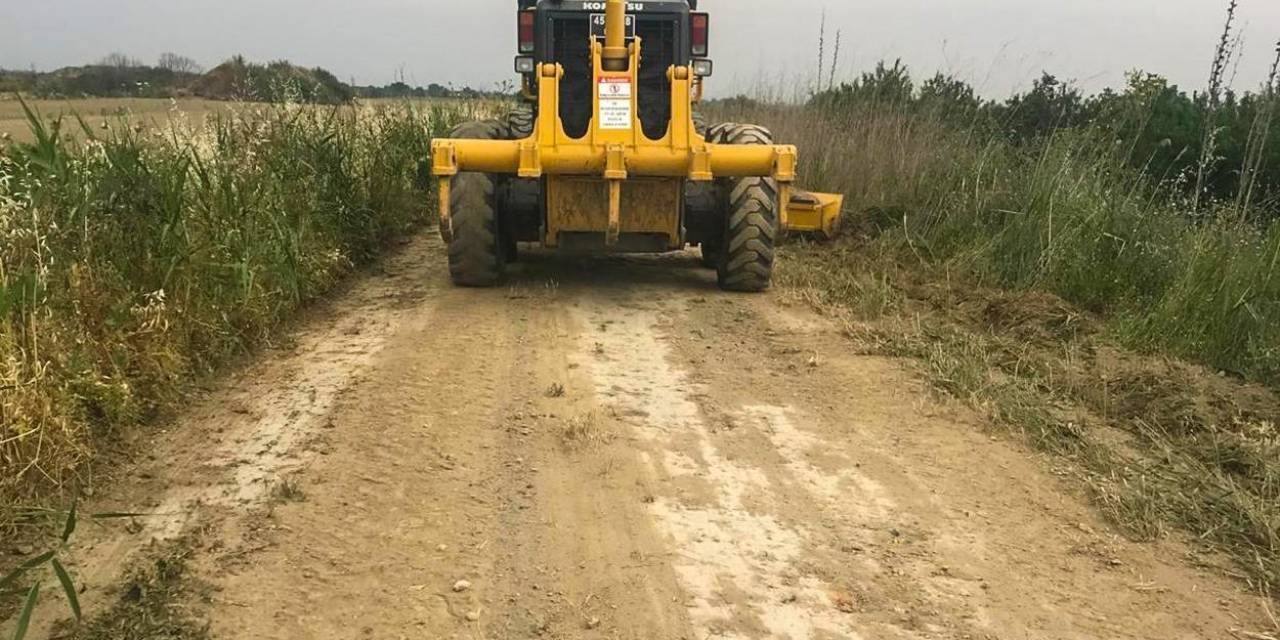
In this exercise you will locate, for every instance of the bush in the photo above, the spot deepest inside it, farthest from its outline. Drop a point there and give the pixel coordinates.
(275, 82)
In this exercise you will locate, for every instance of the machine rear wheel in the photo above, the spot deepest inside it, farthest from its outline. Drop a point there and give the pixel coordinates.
(477, 251)
(704, 215)
(751, 222)
(710, 257)
(476, 258)
(519, 122)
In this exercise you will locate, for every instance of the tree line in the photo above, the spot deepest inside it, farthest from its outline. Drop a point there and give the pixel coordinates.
(1218, 147)
(119, 75)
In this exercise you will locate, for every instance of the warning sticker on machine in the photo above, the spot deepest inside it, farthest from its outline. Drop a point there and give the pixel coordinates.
(615, 102)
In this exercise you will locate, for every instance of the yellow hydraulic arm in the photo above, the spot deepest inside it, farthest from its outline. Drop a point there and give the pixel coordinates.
(615, 147)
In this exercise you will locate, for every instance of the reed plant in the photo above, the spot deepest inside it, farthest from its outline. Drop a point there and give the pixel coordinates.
(133, 260)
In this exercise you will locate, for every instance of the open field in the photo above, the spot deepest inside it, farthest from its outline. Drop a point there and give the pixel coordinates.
(157, 114)
(154, 113)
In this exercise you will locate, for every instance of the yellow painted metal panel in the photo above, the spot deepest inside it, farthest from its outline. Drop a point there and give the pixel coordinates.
(811, 212)
(626, 155)
(647, 205)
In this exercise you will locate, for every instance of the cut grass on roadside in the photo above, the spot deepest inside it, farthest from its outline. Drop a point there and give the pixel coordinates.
(1161, 445)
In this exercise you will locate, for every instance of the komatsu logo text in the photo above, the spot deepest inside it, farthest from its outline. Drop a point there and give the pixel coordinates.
(600, 6)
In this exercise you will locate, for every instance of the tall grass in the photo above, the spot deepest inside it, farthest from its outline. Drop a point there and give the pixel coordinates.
(132, 260)
(1064, 214)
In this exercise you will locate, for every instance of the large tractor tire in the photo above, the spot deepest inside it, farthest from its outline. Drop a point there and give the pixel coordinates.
(701, 211)
(520, 196)
(477, 250)
(519, 122)
(701, 199)
(700, 125)
(715, 133)
(751, 221)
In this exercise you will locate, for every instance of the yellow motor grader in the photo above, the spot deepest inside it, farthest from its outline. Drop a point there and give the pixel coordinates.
(608, 155)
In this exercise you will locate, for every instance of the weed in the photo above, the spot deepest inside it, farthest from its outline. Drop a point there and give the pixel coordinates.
(1064, 215)
(11, 583)
(288, 490)
(151, 604)
(25, 580)
(583, 431)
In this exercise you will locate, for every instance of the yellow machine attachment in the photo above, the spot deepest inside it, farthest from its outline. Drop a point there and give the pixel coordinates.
(614, 151)
(817, 213)
(612, 187)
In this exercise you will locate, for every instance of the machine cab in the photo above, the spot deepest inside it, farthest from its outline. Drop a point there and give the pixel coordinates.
(560, 31)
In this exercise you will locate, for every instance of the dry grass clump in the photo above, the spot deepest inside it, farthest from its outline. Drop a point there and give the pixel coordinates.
(583, 432)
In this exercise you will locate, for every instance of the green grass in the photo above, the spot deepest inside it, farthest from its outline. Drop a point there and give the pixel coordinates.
(135, 259)
(1064, 214)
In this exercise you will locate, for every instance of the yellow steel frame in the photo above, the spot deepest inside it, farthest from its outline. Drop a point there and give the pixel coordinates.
(613, 154)
(818, 213)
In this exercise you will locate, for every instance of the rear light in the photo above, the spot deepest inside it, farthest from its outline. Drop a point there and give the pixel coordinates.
(526, 32)
(699, 26)
(525, 64)
(703, 68)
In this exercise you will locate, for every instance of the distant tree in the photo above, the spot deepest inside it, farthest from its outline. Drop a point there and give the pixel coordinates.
(178, 64)
(949, 96)
(119, 61)
(1051, 104)
(886, 85)
(277, 81)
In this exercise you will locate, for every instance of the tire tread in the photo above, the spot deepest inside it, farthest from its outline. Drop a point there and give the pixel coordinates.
(751, 224)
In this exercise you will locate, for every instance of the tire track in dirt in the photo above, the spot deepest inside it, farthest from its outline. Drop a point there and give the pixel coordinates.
(224, 455)
(731, 559)
(612, 449)
(460, 498)
(803, 489)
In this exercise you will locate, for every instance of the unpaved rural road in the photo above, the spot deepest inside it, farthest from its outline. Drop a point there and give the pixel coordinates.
(612, 448)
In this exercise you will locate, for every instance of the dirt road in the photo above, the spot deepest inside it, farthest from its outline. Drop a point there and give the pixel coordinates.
(612, 448)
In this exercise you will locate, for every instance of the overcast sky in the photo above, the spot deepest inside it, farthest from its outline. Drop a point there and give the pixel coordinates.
(999, 45)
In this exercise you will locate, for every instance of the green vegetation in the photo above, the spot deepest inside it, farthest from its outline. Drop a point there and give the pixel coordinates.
(1066, 210)
(1157, 128)
(275, 82)
(114, 76)
(135, 260)
(175, 76)
(1051, 260)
